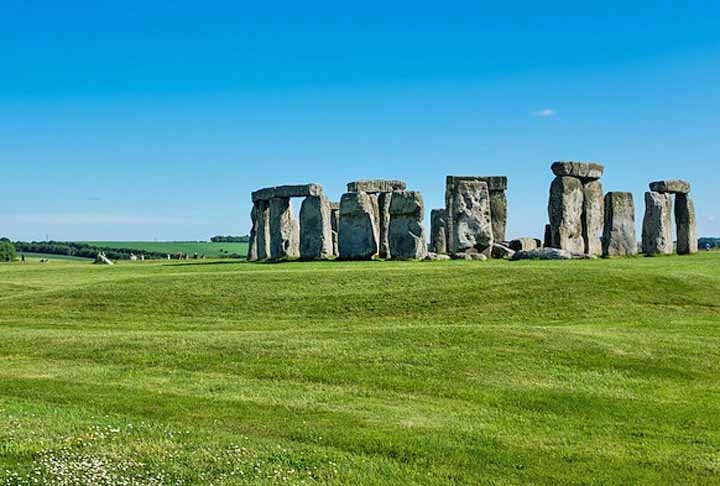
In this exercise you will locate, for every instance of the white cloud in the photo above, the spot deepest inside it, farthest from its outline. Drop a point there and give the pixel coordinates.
(91, 218)
(546, 113)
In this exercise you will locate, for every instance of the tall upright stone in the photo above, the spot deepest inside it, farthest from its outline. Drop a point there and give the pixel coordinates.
(316, 240)
(619, 228)
(657, 224)
(406, 233)
(438, 236)
(497, 185)
(593, 216)
(334, 219)
(262, 214)
(252, 247)
(357, 229)
(383, 221)
(469, 220)
(565, 209)
(284, 230)
(547, 236)
(685, 224)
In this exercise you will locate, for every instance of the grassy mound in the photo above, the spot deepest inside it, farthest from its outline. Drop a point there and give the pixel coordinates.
(355, 373)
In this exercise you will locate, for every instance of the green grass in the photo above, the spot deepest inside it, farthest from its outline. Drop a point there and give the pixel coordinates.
(579, 372)
(209, 249)
(51, 256)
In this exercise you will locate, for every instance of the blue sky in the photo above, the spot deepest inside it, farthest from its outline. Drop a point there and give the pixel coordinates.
(155, 120)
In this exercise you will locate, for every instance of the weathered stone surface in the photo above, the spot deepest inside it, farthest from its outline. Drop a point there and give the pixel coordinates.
(550, 254)
(619, 228)
(406, 230)
(284, 230)
(469, 221)
(524, 244)
(494, 183)
(498, 214)
(470, 255)
(357, 230)
(547, 236)
(301, 190)
(383, 221)
(334, 219)
(565, 209)
(676, 186)
(262, 214)
(376, 185)
(252, 247)
(593, 216)
(432, 256)
(438, 236)
(657, 224)
(685, 224)
(582, 170)
(501, 251)
(316, 240)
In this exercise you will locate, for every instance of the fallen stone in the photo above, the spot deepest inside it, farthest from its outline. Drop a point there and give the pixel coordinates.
(685, 224)
(406, 233)
(593, 216)
(565, 209)
(470, 256)
(676, 186)
(357, 230)
(619, 228)
(524, 244)
(657, 224)
(438, 236)
(501, 251)
(376, 185)
(582, 170)
(432, 256)
(284, 230)
(302, 190)
(550, 254)
(469, 221)
(316, 240)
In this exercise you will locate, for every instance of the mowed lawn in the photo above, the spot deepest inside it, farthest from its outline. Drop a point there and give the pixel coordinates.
(358, 373)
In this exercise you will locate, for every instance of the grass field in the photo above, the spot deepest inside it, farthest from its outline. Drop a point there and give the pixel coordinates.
(591, 372)
(209, 249)
(51, 256)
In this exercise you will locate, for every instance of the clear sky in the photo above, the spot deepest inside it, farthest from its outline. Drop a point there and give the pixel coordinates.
(141, 120)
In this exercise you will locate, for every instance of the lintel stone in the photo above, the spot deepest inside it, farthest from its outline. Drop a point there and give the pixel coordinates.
(376, 185)
(300, 190)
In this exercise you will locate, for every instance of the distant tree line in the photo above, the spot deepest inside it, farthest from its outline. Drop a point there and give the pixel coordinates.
(230, 239)
(7, 250)
(711, 242)
(85, 250)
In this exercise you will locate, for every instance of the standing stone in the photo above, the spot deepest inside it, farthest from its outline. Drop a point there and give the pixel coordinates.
(438, 236)
(469, 221)
(657, 224)
(619, 229)
(284, 230)
(383, 221)
(252, 248)
(547, 237)
(334, 219)
(357, 230)
(406, 233)
(498, 214)
(687, 239)
(565, 209)
(315, 228)
(593, 216)
(262, 212)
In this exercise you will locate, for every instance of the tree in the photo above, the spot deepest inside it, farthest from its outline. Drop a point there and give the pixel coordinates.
(7, 250)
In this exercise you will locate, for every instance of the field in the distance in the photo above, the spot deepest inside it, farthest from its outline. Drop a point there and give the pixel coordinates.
(207, 248)
(219, 372)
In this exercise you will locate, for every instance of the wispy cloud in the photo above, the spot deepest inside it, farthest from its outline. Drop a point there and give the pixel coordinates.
(546, 113)
(91, 218)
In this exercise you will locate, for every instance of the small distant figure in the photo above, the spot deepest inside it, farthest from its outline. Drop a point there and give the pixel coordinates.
(195, 256)
(142, 257)
(707, 247)
(202, 257)
(133, 257)
(44, 260)
(22, 257)
(168, 256)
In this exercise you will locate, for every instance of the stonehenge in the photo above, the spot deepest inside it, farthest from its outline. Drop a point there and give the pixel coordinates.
(619, 229)
(379, 218)
(576, 207)
(657, 223)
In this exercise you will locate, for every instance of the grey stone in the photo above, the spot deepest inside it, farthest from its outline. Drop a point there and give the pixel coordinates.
(406, 233)
(498, 214)
(357, 229)
(469, 221)
(284, 230)
(494, 183)
(334, 219)
(262, 214)
(565, 209)
(432, 256)
(676, 186)
(252, 248)
(657, 224)
(376, 185)
(501, 251)
(316, 241)
(438, 236)
(383, 221)
(551, 254)
(547, 237)
(582, 170)
(619, 228)
(593, 216)
(301, 190)
(469, 255)
(685, 224)
(524, 244)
